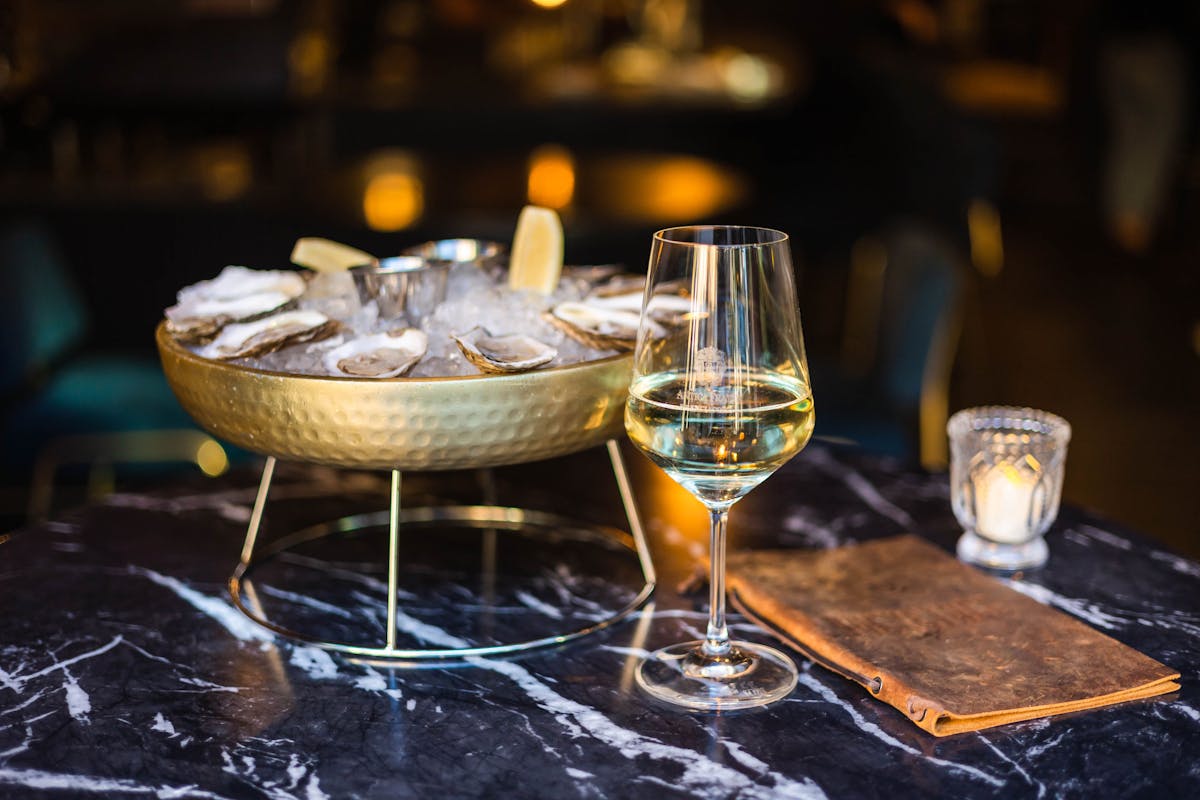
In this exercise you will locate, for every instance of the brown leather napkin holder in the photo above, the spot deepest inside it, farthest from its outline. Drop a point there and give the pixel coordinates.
(953, 649)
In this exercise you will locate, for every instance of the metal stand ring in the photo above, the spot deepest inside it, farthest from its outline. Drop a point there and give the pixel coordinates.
(494, 518)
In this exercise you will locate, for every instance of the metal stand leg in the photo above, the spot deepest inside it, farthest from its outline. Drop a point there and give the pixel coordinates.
(393, 558)
(260, 501)
(631, 512)
(488, 553)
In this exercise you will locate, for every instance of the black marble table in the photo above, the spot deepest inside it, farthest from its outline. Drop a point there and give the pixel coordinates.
(126, 672)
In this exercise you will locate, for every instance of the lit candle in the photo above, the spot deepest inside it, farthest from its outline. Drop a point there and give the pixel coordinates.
(1003, 503)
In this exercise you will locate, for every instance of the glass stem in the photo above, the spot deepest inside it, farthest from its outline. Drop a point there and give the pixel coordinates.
(716, 641)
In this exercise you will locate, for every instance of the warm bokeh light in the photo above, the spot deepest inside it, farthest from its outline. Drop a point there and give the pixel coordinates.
(1005, 87)
(394, 197)
(211, 459)
(309, 58)
(548, 3)
(551, 177)
(393, 201)
(748, 77)
(665, 189)
(987, 240)
(225, 171)
(395, 66)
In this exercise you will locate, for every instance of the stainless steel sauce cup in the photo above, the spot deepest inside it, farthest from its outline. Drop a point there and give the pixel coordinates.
(491, 257)
(407, 285)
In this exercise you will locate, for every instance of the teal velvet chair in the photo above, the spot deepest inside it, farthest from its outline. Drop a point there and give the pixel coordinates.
(886, 391)
(64, 402)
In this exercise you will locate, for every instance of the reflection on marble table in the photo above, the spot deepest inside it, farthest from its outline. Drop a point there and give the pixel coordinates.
(126, 672)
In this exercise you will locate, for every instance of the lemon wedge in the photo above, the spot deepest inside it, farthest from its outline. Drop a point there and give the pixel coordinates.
(537, 251)
(323, 255)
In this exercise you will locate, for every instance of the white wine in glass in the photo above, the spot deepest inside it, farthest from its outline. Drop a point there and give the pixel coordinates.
(720, 400)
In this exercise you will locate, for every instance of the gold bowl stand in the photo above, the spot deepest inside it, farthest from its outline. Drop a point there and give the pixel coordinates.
(405, 424)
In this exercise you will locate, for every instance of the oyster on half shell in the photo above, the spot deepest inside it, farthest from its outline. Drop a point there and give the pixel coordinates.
(378, 355)
(600, 327)
(668, 309)
(237, 294)
(239, 340)
(594, 274)
(202, 319)
(620, 283)
(512, 353)
(234, 282)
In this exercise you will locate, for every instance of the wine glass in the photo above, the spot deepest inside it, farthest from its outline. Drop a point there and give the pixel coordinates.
(719, 400)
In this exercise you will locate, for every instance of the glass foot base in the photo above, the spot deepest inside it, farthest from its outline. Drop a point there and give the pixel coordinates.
(750, 675)
(974, 549)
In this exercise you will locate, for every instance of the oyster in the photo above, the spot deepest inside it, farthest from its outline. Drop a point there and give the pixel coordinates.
(202, 319)
(593, 274)
(234, 282)
(621, 283)
(600, 327)
(237, 294)
(513, 353)
(668, 309)
(624, 292)
(240, 340)
(378, 355)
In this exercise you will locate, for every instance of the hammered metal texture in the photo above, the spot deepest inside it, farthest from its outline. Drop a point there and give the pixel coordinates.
(402, 423)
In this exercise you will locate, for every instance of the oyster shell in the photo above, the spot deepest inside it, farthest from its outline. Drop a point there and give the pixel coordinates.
(237, 294)
(513, 353)
(234, 282)
(668, 309)
(621, 283)
(593, 274)
(202, 319)
(600, 327)
(378, 355)
(239, 340)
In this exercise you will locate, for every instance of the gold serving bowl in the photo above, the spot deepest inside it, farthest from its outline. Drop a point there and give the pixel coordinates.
(402, 423)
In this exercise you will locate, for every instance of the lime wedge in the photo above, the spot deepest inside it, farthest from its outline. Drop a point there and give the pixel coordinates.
(537, 251)
(323, 255)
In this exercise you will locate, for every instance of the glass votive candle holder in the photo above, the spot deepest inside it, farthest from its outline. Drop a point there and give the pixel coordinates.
(1006, 476)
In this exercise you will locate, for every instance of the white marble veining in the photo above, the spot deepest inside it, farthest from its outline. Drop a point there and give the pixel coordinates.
(1085, 610)
(871, 729)
(163, 724)
(699, 772)
(529, 601)
(17, 679)
(314, 661)
(305, 600)
(861, 487)
(1038, 786)
(218, 609)
(79, 704)
(1177, 563)
(86, 784)
(130, 673)
(1184, 709)
(578, 719)
(819, 536)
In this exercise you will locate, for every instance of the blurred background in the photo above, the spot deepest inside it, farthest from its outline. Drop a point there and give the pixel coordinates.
(991, 201)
